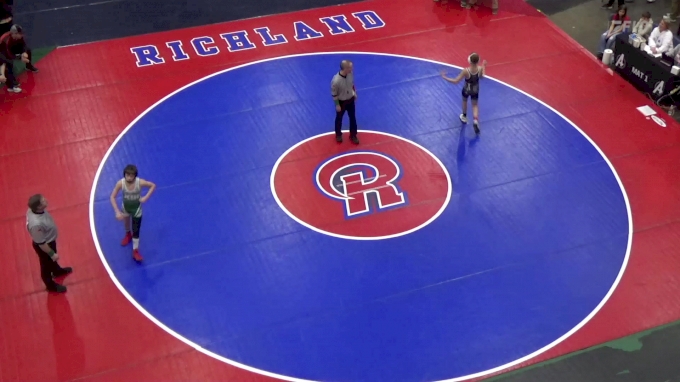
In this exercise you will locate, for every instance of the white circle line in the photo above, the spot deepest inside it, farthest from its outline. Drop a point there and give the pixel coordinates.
(305, 224)
(286, 378)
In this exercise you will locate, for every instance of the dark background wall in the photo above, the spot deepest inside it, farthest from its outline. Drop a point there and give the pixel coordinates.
(67, 22)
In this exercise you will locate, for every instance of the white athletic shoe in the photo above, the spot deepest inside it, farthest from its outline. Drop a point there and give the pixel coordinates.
(463, 118)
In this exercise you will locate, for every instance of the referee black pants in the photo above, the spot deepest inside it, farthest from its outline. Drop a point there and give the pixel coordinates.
(48, 267)
(349, 107)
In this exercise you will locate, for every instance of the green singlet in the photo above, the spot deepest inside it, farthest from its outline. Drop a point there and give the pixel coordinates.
(131, 203)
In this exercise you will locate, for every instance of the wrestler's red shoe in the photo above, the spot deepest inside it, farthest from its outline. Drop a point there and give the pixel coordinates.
(136, 255)
(127, 239)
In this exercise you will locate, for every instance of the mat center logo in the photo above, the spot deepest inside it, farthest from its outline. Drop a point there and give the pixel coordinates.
(392, 188)
(360, 180)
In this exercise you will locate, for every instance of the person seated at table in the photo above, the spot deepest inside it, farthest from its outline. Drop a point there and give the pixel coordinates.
(675, 53)
(620, 23)
(644, 26)
(661, 39)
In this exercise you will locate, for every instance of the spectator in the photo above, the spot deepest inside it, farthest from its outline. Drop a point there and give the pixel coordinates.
(620, 23)
(13, 47)
(644, 26)
(675, 53)
(5, 16)
(661, 39)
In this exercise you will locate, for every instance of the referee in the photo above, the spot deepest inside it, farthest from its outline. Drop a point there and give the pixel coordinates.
(44, 234)
(344, 94)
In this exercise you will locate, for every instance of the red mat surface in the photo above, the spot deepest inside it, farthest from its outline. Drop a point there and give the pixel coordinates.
(55, 134)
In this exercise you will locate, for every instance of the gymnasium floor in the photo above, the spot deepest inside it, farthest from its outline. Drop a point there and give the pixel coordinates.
(554, 230)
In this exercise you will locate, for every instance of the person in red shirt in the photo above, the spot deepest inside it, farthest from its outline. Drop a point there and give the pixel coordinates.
(13, 47)
(619, 23)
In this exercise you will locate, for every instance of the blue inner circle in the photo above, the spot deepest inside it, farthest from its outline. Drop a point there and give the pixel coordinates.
(532, 240)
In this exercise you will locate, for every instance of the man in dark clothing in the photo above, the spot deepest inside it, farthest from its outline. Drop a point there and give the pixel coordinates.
(13, 47)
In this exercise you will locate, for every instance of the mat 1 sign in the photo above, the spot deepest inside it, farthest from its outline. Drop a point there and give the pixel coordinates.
(236, 41)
